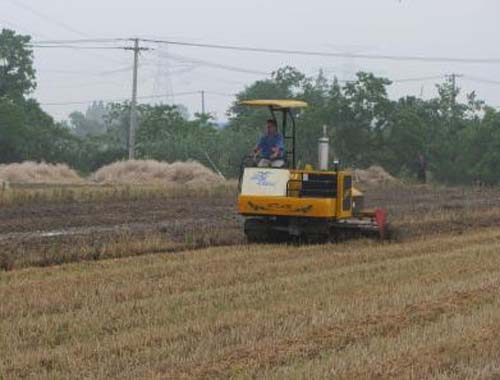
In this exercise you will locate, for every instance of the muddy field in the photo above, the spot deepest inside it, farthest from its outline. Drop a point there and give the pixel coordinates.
(45, 234)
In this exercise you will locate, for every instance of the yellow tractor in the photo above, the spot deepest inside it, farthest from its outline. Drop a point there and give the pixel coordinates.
(308, 204)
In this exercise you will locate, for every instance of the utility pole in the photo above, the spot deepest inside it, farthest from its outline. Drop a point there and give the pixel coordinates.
(454, 77)
(454, 89)
(133, 103)
(203, 102)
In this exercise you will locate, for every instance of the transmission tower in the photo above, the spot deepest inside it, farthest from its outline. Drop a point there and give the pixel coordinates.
(349, 65)
(163, 77)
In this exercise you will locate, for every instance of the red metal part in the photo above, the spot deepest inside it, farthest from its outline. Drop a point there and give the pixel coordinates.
(381, 220)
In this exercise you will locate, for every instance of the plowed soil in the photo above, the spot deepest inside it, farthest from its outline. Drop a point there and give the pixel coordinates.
(52, 230)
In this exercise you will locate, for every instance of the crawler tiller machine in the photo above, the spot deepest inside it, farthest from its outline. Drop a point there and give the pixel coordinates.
(317, 204)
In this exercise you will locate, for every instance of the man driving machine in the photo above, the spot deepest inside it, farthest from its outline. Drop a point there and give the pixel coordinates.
(270, 147)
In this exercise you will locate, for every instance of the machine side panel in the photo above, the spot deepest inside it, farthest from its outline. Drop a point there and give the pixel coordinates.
(287, 206)
(265, 181)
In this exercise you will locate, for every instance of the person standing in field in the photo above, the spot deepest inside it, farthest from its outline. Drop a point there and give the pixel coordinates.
(271, 147)
(422, 169)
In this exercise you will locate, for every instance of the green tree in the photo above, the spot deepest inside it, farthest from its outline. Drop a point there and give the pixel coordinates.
(12, 131)
(92, 123)
(26, 131)
(406, 137)
(284, 83)
(481, 153)
(366, 112)
(315, 91)
(17, 74)
(162, 133)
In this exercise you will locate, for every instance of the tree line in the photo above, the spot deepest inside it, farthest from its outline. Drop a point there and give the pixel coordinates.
(460, 141)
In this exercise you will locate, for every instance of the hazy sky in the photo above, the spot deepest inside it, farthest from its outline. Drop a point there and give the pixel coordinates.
(454, 28)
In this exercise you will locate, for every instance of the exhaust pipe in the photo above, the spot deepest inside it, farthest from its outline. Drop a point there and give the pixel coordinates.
(323, 150)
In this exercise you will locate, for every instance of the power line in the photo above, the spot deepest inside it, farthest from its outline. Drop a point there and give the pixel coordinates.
(52, 20)
(81, 72)
(79, 102)
(403, 80)
(115, 71)
(80, 41)
(326, 54)
(420, 79)
(277, 51)
(481, 80)
(345, 81)
(182, 58)
(77, 47)
(188, 92)
(22, 29)
(220, 94)
(162, 95)
(86, 84)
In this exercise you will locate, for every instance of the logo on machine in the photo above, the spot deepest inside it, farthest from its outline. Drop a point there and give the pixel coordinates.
(280, 207)
(261, 178)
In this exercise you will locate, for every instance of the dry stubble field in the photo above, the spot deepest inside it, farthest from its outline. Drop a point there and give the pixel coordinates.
(426, 305)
